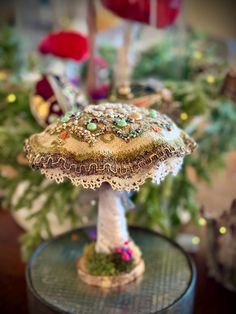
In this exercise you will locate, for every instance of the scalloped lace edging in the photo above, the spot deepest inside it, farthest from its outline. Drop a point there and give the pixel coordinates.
(171, 165)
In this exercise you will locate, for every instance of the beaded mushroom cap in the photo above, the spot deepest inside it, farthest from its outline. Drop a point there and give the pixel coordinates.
(119, 144)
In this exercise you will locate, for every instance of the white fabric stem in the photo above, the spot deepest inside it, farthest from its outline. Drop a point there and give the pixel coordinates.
(112, 228)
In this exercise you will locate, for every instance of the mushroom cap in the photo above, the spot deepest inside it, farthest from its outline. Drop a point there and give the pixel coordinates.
(141, 95)
(140, 10)
(65, 44)
(120, 144)
(151, 94)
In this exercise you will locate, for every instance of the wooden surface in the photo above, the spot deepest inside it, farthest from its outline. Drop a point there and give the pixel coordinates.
(12, 270)
(211, 298)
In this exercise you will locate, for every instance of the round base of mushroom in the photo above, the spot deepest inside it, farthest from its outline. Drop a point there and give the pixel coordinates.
(109, 281)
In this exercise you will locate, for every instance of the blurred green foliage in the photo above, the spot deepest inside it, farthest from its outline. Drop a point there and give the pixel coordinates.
(194, 72)
(9, 49)
(16, 124)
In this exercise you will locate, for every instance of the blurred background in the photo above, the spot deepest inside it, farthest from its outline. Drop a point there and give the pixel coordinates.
(178, 57)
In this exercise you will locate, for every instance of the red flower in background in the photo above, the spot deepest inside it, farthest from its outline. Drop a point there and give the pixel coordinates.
(140, 10)
(65, 44)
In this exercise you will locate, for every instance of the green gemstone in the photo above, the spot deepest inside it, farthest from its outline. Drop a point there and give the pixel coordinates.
(121, 122)
(153, 113)
(91, 126)
(67, 115)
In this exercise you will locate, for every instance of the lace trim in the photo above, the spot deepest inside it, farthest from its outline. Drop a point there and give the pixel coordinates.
(157, 174)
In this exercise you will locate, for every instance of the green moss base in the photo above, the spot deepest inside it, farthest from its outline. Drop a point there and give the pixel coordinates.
(100, 264)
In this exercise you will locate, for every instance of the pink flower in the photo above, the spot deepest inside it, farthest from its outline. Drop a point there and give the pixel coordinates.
(125, 252)
(125, 256)
(130, 252)
(118, 250)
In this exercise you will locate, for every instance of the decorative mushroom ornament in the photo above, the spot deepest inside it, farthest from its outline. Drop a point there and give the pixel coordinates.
(159, 13)
(156, 13)
(151, 94)
(112, 148)
(66, 45)
(70, 46)
(52, 97)
(142, 95)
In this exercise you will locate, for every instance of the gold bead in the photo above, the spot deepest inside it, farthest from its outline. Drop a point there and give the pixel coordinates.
(136, 116)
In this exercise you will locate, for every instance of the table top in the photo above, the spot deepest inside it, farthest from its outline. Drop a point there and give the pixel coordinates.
(169, 277)
(211, 297)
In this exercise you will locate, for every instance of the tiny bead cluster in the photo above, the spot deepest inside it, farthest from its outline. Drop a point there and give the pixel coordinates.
(124, 251)
(109, 120)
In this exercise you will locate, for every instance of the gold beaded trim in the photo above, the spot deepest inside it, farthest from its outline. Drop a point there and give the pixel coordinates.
(121, 120)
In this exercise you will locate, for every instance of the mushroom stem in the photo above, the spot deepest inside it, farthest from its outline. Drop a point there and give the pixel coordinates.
(91, 21)
(112, 228)
(123, 68)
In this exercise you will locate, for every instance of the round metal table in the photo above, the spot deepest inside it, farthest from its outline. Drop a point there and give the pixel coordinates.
(167, 285)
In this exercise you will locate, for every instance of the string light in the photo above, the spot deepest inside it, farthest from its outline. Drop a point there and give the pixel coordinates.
(197, 55)
(195, 240)
(222, 230)
(11, 98)
(183, 116)
(210, 79)
(202, 221)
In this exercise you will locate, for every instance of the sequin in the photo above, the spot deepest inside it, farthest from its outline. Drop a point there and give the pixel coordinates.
(153, 113)
(91, 126)
(120, 122)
